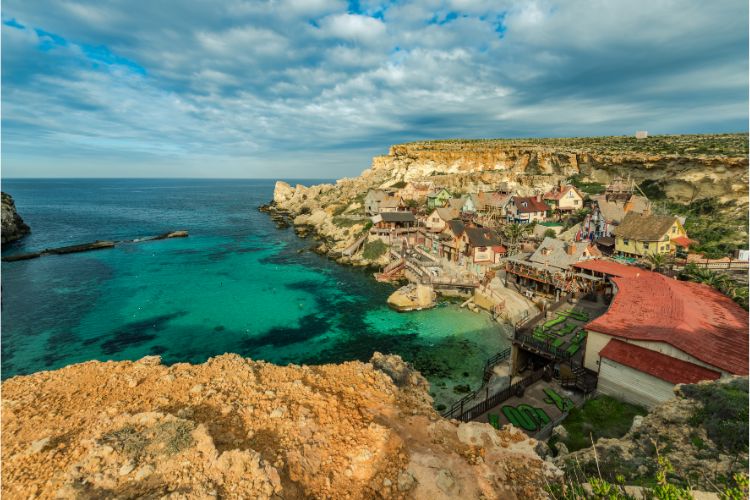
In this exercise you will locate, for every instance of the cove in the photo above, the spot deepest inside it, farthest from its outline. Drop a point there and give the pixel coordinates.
(236, 284)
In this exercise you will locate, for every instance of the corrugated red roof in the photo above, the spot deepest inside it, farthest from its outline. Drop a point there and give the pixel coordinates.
(692, 317)
(610, 268)
(673, 370)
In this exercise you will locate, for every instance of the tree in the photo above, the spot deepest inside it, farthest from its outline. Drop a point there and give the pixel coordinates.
(514, 233)
(550, 233)
(658, 261)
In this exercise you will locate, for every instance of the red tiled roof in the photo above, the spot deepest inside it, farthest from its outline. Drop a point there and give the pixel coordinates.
(656, 364)
(683, 241)
(557, 194)
(692, 317)
(499, 249)
(532, 205)
(610, 268)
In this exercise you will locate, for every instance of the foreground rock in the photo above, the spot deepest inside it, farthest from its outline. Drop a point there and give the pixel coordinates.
(236, 428)
(13, 226)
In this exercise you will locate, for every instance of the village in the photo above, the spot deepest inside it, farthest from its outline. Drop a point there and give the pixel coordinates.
(588, 283)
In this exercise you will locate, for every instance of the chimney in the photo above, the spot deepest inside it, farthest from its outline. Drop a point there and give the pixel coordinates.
(539, 197)
(571, 248)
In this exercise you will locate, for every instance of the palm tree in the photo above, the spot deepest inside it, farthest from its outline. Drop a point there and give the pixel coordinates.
(658, 261)
(514, 232)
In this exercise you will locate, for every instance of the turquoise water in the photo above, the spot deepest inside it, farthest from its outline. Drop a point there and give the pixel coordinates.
(236, 284)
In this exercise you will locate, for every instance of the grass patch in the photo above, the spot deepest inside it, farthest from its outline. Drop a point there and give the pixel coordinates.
(586, 187)
(374, 249)
(724, 413)
(346, 221)
(602, 416)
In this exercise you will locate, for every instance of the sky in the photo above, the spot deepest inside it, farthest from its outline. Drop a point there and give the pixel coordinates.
(315, 88)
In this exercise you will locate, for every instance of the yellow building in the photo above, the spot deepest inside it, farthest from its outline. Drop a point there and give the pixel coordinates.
(639, 235)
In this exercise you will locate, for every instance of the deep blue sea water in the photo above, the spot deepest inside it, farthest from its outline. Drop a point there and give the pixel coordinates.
(236, 284)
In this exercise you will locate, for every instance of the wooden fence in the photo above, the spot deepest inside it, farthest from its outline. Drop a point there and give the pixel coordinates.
(498, 397)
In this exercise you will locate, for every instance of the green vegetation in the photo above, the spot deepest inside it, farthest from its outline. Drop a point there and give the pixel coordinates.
(720, 281)
(724, 413)
(599, 417)
(586, 187)
(550, 233)
(662, 488)
(719, 228)
(347, 222)
(374, 249)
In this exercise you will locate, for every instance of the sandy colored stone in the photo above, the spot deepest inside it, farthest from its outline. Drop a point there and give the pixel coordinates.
(253, 430)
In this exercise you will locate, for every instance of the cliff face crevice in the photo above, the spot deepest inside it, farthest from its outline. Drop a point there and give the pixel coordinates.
(237, 428)
(13, 226)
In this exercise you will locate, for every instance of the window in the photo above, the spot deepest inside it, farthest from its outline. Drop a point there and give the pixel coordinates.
(576, 202)
(674, 229)
(626, 242)
(645, 244)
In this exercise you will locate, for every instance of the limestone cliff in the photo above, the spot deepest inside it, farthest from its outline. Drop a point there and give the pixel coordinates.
(237, 428)
(686, 168)
(13, 226)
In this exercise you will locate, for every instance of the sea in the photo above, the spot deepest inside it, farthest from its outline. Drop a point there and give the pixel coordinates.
(237, 284)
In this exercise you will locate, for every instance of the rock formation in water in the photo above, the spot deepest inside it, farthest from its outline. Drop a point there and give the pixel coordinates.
(13, 226)
(685, 168)
(237, 428)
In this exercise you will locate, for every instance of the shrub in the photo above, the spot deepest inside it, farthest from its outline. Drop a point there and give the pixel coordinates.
(723, 413)
(374, 249)
(550, 233)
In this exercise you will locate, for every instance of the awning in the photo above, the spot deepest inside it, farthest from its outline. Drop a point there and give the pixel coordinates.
(682, 241)
(605, 241)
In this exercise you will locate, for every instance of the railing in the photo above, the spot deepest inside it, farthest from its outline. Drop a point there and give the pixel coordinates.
(500, 396)
(458, 406)
(542, 347)
(490, 363)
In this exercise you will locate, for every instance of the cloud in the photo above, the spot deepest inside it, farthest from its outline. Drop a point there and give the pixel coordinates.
(314, 88)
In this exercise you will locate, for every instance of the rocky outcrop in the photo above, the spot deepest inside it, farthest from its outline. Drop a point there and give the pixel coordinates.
(685, 168)
(412, 298)
(13, 226)
(237, 428)
(689, 443)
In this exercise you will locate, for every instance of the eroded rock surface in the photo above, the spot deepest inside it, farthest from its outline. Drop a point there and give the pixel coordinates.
(13, 226)
(237, 428)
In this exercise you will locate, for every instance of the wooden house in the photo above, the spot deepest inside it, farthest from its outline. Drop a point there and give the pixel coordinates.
(438, 198)
(526, 209)
(639, 235)
(564, 199)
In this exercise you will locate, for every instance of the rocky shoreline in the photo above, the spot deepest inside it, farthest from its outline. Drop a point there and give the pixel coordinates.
(13, 226)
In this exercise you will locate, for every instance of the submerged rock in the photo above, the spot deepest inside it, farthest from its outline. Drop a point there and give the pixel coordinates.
(13, 226)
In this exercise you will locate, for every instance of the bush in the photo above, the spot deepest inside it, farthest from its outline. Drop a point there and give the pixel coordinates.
(602, 416)
(724, 413)
(550, 233)
(374, 249)
(346, 222)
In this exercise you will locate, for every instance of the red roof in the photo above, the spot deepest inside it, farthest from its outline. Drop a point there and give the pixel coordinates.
(499, 249)
(610, 268)
(557, 194)
(692, 317)
(656, 364)
(532, 204)
(683, 241)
